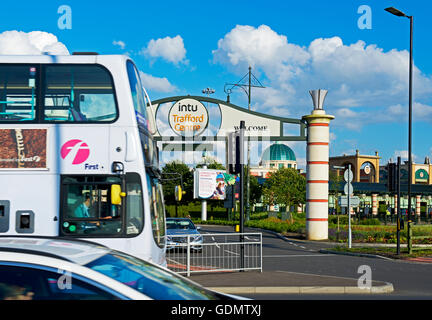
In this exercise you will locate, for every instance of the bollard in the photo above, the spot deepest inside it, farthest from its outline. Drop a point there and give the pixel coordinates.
(409, 237)
(188, 266)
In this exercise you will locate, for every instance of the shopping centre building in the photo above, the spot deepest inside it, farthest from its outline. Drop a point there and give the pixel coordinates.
(369, 180)
(370, 184)
(277, 156)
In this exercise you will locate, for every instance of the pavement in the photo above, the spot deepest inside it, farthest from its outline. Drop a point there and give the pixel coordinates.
(284, 282)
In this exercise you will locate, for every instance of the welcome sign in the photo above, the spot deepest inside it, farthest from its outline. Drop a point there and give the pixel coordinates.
(188, 117)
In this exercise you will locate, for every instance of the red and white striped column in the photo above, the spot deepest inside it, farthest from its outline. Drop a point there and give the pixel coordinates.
(374, 204)
(417, 206)
(317, 173)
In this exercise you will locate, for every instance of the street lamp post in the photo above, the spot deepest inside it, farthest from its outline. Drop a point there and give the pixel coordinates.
(208, 92)
(249, 85)
(399, 13)
(348, 179)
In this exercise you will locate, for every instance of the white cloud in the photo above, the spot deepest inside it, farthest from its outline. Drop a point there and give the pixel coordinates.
(364, 81)
(119, 43)
(355, 118)
(257, 46)
(169, 49)
(152, 83)
(404, 156)
(35, 42)
(332, 136)
(350, 119)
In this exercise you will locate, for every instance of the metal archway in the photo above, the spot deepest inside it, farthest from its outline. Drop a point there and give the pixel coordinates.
(259, 126)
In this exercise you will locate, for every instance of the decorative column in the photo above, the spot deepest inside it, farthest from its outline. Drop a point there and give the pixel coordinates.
(417, 210)
(317, 168)
(374, 204)
(395, 204)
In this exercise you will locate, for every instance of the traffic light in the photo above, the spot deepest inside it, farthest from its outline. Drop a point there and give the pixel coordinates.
(392, 177)
(235, 152)
(229, 197)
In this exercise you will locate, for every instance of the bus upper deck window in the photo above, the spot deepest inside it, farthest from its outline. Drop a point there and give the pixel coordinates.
(79, 93)
(136, 90)
(17, 93)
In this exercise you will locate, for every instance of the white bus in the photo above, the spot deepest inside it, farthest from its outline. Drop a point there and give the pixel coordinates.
(77, 157)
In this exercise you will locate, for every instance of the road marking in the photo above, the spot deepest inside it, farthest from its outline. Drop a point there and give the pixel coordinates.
(237, 254)
(294, 255)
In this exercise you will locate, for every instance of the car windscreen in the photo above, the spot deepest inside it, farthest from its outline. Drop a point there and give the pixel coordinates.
(171, 224)
(180, 224)
(148, 279)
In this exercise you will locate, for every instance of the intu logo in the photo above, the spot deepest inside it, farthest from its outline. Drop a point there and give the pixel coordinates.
(75, 150)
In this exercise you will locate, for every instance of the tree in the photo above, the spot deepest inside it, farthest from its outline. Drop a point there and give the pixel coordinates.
(170, 180)
(286, 187)
(335, 182)
(254, 187)
(255, 190)
(211, 164)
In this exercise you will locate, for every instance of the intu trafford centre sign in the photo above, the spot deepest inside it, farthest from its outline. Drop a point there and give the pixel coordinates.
(189, 118)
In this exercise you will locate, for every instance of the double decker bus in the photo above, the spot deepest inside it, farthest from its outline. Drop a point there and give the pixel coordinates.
(77, 156)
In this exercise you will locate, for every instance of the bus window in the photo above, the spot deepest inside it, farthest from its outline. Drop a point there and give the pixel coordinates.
(79, 93)
(17, 93)
(87, 209)
(137, 94)
(149, 147)
(157, 210)
(134, 204)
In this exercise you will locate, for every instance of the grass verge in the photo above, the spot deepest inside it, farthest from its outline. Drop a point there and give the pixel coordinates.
(386, 251)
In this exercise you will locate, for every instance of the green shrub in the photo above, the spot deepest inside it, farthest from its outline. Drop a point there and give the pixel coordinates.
(343, 219)
(370, 222)
(272, 224)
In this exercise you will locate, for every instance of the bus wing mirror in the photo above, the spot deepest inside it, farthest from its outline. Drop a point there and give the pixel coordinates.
(116, 194)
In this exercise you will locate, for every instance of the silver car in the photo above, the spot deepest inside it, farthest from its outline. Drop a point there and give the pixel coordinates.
(44, 268)
(180, 231)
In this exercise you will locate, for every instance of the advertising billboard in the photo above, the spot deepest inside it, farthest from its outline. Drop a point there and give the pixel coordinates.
(23, 149)
(209, 184)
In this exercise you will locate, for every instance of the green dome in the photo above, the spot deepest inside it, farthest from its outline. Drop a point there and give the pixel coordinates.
(278, 152)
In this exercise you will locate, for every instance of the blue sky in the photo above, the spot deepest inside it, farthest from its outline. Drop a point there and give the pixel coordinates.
(293, 47)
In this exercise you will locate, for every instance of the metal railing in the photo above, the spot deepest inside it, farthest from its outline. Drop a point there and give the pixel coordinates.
(216, 252)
